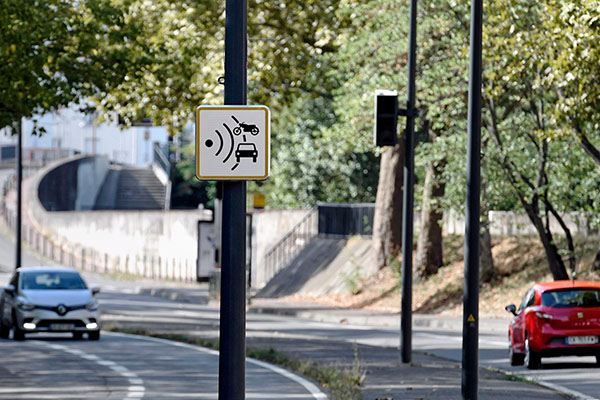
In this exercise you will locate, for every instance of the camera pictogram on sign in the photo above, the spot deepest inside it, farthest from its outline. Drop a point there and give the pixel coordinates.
(244, 149)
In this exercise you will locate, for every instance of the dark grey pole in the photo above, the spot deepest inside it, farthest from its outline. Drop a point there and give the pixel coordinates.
(470, 349)
(232, 353)
(408, 193)
(19, 192)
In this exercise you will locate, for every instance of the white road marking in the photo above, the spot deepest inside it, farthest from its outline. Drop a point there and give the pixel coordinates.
(314, 391)
(137, 389)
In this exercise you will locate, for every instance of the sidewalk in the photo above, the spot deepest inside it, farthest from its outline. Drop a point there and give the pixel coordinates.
(385, 377)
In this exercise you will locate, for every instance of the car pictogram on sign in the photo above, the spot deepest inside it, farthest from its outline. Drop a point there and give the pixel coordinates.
(247, 150)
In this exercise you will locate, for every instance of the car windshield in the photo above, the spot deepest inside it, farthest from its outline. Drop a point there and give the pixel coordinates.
(568, 298)
(246, 146)
(52, 281)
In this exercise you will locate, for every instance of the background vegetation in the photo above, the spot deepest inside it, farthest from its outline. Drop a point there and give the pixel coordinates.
(316, 64)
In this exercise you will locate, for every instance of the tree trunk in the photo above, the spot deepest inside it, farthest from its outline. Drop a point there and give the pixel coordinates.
(429, 246)
(555, 262)
(387, 224)
(486, 261)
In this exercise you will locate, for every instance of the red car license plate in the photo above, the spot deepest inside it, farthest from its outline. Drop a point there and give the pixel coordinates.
(582, 340)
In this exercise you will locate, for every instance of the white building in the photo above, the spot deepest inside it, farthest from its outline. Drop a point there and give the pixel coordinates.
(72, 130)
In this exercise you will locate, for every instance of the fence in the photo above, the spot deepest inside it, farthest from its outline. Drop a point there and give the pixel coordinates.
(343, 219)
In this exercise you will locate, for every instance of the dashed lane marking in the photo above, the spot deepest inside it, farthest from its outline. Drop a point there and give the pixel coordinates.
(314, 391)
(136, 388)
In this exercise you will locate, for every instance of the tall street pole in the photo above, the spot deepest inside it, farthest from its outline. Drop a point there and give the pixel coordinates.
(408, 193)
(470, 349)
(232, 353)
(19, 192)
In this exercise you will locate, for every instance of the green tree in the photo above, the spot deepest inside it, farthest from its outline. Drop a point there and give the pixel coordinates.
(184, 42)
(56, 52)
(574, 69)
(517, 121)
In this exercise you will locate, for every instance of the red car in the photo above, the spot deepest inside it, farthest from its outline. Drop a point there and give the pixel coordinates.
(555, 319)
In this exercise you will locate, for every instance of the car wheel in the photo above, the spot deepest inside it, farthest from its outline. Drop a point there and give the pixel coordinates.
(532, 358)
(18, 334)
(514, 358)
(95, 335)
(77, 335)
(4, 329)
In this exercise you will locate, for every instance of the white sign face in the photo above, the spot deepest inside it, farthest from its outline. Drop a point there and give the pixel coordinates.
(233, 142)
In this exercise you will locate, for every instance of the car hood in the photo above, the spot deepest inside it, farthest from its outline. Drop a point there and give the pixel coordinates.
(55, 297)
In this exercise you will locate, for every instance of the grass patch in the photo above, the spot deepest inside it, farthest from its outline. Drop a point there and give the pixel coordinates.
(342, 383)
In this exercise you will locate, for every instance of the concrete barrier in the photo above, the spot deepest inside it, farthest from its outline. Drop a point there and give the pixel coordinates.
(153, 244)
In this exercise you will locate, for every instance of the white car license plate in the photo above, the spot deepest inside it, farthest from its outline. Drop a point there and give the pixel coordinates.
(582, 340)
(62, 327)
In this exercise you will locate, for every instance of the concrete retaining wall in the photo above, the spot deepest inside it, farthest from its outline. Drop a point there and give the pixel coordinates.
(268, 227)
(73, 184)
(154, 244)
(508, 223)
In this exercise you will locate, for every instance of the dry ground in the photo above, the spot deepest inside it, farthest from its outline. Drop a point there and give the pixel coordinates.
(518, 261)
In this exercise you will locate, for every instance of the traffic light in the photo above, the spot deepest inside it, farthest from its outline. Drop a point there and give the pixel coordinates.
(386, 118)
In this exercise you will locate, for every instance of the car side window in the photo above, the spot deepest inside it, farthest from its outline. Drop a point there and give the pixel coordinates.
(531, 300)
(528, 299)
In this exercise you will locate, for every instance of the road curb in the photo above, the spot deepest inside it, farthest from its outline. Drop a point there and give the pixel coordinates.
(360, 317)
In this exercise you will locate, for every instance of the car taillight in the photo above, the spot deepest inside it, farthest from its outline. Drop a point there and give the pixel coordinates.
(544, 315)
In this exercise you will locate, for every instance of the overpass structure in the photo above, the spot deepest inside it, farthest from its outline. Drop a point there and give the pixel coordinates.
(69, 216)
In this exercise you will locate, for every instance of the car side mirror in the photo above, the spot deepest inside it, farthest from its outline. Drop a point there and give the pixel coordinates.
(10, 289)
(511, 308)
(95, 290)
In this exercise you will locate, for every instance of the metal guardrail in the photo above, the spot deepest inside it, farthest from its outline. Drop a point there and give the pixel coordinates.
(283, 252)
(161, 159)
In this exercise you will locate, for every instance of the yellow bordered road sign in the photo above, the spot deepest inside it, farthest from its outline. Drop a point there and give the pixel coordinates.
(233, 142)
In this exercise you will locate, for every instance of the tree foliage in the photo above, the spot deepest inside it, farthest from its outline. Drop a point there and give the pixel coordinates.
(55, 52)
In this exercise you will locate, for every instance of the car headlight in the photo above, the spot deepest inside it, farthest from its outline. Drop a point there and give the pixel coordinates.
(25, 305)
(92, 306)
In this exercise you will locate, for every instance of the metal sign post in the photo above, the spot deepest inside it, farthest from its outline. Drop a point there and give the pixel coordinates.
(18, 250)
(408, 195)
(232, 349)
(470, 349)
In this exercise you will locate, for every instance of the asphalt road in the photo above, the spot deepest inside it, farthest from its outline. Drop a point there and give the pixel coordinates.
(121, 366)
(54, 366)
(170, 371)
(577, 376)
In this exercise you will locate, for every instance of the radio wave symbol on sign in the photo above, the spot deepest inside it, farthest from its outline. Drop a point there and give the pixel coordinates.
(237, 130)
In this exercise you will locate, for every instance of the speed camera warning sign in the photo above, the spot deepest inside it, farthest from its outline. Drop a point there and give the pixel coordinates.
(233, 142)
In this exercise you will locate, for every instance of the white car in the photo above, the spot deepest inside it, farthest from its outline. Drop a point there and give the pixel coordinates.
(48, 299)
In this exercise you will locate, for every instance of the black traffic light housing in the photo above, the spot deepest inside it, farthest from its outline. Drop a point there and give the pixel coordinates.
(386, 118)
